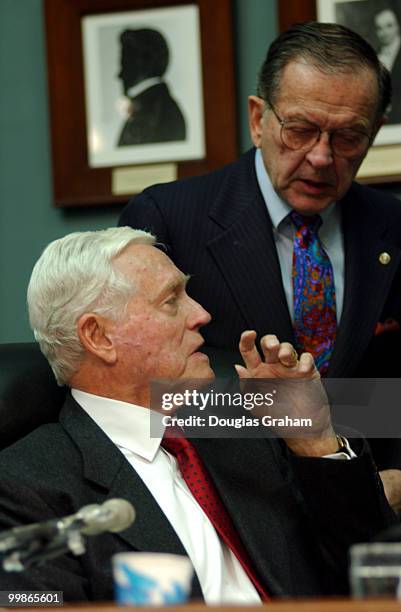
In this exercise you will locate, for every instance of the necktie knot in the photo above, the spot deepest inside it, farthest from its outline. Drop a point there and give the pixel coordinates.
(306, 227)
(311, 223)
(176, 443)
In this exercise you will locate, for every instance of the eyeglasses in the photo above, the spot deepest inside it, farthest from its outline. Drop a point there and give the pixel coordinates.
(302, 136)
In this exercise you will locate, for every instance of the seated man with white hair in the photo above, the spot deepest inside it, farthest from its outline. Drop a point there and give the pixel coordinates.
(111, 313)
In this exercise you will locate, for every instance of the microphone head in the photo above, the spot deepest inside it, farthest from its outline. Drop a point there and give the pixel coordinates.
(113, 515)
(122, 511)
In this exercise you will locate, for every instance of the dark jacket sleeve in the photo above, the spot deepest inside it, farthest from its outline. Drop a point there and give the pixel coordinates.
(345, 502)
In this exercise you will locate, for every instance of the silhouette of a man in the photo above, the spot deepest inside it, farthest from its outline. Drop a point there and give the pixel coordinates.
(154, 116)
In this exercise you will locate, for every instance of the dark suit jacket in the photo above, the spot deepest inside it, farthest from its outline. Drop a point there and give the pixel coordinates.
(155, 117)
(217, 228)
(296, 516)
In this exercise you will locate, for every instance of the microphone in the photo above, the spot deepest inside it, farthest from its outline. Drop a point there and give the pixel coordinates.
(113, 515)
(39, 541)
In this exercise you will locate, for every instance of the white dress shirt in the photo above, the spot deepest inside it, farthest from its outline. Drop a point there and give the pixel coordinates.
(220, 574)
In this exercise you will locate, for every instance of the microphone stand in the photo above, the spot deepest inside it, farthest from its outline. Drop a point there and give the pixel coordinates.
(41, 549)
(22, 547)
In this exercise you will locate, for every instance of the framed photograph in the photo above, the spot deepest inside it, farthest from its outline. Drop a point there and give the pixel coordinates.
(141, 91)
(379, 23)
(144, 99)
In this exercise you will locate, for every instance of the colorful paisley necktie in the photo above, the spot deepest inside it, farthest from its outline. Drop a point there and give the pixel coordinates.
(315, 321)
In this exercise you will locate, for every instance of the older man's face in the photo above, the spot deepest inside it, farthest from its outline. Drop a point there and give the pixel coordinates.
(310, 181)
(159, 338)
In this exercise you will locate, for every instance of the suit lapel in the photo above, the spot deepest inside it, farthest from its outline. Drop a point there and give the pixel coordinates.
(245, 252)
(367, 281)
(106, 467)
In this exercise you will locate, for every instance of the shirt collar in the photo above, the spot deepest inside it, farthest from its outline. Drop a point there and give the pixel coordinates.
(277, 208)
(135, 90)
(127, 425)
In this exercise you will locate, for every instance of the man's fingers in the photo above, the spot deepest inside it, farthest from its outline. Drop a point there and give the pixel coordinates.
(307, 366)
(276, 357)
(288, 355)
(270, 346)
(242, 372)
(248, 349)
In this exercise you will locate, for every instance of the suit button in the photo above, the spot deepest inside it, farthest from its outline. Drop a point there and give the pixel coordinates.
(384, 258)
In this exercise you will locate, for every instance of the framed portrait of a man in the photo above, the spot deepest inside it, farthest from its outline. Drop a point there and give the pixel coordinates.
(140, 92)
(379, 22)
(383, 161)
(143, 86)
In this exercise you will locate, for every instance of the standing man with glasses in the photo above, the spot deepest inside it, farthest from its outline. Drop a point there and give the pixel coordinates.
(283, 239)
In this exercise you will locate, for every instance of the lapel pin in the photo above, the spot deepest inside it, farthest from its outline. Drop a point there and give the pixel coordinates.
(384, 258)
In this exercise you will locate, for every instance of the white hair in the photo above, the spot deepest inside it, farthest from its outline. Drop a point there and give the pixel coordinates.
(75, 275)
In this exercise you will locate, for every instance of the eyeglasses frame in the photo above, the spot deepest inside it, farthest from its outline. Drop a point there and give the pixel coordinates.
(282, 123)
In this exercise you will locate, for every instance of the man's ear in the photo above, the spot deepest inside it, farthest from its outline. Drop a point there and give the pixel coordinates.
(94, 334)
(256, 108)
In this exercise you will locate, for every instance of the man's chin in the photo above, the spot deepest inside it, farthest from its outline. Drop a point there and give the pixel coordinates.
(198, 367)
(309, 200)
(310, 205)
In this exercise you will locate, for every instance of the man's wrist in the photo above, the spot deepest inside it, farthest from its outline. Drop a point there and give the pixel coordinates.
(314, 446)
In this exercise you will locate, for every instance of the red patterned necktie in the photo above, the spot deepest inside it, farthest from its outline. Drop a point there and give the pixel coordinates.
(203, 490)
(315, 321)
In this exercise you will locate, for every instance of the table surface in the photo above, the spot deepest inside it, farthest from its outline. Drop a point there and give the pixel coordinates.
(293, 605)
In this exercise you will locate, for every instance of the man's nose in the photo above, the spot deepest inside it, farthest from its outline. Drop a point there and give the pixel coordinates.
(198, 316)
(321, 154)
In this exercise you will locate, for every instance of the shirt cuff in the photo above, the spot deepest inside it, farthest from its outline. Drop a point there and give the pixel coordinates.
(344, 455)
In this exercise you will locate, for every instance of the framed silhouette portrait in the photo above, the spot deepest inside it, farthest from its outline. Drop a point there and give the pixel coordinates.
(140, 91)
(143, 86)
